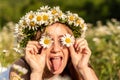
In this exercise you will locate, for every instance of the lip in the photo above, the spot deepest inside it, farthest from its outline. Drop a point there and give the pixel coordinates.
(55, 57)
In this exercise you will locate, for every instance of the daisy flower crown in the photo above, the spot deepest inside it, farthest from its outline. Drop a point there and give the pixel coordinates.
(33, 21)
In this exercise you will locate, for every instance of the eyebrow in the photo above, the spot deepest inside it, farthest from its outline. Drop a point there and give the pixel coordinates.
(58, 36)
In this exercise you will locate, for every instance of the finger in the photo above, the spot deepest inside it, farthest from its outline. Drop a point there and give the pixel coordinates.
(36, 43)
(78, 41)
(86, 56)
(43, 52)
(34, 48)
(84, 42)
(86, 51)
(29, 51)
(79, 45)
(81, 48)
(72, 50)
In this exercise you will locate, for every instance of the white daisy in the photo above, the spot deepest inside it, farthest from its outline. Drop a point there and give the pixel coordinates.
(54, 18)
(17, 50)
(46, 41)
(78, 21)
(71, 17)
(32, 25)
(84, 26)
(44, 8)
(62, 15)
(29, 16)
(16, 30)
(55, 11)
(38, 18)
(45, 18)
(23, 23)
(67, 40)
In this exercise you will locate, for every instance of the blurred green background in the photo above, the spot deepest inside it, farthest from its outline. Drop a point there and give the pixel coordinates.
(103, 35)
(90, 10)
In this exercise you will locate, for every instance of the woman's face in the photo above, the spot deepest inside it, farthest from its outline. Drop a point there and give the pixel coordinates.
(58, 54)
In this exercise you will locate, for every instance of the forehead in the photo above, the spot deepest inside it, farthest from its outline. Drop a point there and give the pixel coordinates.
(56, 29)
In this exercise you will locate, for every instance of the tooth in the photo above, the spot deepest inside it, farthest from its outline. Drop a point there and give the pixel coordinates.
(56, 58)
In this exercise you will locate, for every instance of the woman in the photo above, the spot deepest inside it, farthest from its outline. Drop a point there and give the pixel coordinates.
(56, 51)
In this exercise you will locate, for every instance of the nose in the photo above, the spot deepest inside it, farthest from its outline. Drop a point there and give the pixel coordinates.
(56, 47)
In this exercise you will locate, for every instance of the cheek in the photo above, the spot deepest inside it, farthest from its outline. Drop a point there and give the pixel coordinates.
(66, 54)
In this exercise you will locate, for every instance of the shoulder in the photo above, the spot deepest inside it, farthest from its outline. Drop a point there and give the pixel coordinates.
(20, 62)
(20, 66)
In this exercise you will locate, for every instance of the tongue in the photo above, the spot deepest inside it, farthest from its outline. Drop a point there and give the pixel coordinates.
(56, 63)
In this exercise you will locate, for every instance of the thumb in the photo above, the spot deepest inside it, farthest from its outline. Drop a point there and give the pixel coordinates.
(72, 50)
(43, 52)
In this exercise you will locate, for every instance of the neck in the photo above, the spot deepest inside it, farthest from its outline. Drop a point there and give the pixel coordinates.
(49, 76)
(58, 77)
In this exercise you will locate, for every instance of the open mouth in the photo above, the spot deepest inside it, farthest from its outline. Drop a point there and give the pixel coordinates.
(56, 62)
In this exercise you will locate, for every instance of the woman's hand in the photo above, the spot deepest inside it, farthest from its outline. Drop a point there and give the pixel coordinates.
(35, 59)
(80, 53)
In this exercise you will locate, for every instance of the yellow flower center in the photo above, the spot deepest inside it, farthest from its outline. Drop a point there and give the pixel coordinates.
(71, 18)
(82, 26)
(45, 17)
(60, 14)
(67, 40)
(31, 17)
(46, 41)
(39, 18)
(24, 23)
(54, 11)
(32, 23)
(78, 21)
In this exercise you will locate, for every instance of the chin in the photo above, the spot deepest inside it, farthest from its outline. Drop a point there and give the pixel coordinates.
(57, 72)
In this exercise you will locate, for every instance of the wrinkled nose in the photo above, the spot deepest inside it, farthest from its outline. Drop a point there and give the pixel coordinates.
(56, 47)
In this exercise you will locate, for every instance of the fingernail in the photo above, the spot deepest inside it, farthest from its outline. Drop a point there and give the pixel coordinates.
(75, 45)
(77, 49)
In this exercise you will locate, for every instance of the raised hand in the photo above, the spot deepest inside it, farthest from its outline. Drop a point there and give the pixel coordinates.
(34, 58)
(80, 53)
